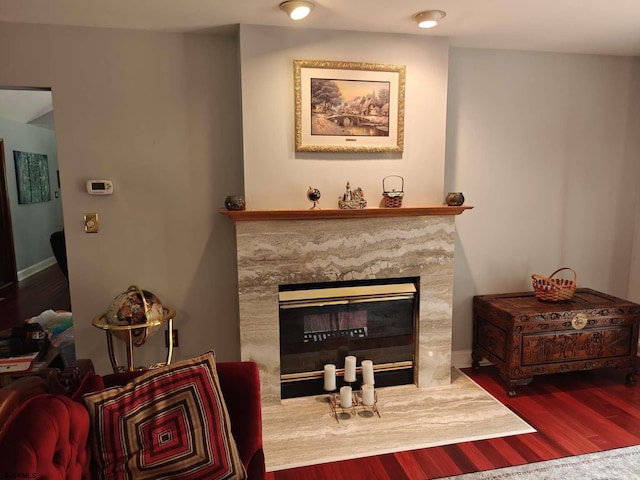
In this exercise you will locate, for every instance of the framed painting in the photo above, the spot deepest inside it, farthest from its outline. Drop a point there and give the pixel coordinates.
(348, 106)
(32, 177)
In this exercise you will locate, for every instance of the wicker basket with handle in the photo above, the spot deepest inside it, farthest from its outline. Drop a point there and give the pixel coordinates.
(392, 198)
(549, 289)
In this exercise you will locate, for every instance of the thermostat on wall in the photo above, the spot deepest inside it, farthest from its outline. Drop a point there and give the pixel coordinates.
(99, 187)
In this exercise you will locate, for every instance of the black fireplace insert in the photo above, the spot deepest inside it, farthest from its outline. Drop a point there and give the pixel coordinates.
(323, 323)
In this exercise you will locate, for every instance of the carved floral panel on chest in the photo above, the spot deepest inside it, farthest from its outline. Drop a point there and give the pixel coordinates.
(523, 336)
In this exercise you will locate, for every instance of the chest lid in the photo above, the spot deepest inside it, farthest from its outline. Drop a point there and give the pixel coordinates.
(525, 303)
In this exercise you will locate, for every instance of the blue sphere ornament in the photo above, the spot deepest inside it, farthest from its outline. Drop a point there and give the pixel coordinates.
(313, 194)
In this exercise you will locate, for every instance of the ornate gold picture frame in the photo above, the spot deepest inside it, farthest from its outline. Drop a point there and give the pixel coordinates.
(348, 106)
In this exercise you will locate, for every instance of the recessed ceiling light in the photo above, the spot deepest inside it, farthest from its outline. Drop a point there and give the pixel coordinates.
(429, 18)
(297, 9)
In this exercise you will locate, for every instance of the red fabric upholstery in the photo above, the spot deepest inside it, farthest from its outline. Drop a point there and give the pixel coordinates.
(90, 383)
(47, 437)
(245, 412)
(9, 402)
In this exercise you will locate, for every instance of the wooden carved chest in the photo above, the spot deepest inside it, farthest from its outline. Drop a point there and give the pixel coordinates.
(523, 336)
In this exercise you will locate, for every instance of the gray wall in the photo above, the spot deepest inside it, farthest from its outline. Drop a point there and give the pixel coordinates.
(33, 223)
(267, 56)
(542, 145)
(159, 114)
(633, 147)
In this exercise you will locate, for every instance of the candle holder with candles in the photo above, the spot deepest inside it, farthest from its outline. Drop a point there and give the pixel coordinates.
(347, 402)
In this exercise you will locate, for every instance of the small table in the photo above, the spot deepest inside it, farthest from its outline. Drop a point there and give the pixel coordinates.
(523, 336)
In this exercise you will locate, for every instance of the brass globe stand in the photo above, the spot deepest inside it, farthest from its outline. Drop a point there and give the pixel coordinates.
(100, 322)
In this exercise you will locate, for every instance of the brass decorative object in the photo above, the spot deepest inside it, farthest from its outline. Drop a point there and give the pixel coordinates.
(357, 407)
(579, 321)
(99, 322)
(133, 316)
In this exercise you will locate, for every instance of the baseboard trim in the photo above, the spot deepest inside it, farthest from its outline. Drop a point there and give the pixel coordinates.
(38, 267)
(462, 359)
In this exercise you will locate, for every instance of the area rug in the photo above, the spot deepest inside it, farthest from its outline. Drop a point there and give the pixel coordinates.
(302, 431)
(618, 464)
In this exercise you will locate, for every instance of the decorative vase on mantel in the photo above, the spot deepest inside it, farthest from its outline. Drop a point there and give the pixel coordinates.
(454, 199)
(235, 202)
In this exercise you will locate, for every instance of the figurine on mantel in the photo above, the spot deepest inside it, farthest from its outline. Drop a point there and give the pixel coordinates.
(352, 199)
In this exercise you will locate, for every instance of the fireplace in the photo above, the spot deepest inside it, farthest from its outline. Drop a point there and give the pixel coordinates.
(290, 247)
(323, 323)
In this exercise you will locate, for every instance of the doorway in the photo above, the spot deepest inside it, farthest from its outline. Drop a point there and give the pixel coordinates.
(27, 131)
(8, 271)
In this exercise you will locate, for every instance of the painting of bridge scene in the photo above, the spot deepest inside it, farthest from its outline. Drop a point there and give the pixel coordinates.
(349, 107)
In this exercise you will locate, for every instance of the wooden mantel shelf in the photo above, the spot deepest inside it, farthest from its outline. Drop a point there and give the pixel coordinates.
(336, 213)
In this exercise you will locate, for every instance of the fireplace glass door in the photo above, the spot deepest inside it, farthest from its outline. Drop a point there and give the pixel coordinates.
(319, 326)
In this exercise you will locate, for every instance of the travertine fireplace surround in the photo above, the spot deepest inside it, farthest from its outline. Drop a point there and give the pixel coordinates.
(287, 247)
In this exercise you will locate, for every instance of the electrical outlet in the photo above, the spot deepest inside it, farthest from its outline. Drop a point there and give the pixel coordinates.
(91, 223)
(175, 338)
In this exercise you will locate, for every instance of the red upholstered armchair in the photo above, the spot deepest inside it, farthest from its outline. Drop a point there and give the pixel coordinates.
(47, 436)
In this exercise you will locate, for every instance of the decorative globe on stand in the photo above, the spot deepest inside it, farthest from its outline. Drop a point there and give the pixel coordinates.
(133, 316)
(313, 194)
(133, 307)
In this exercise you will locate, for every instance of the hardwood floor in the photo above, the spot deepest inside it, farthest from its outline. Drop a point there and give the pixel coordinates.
(47, 289)
(574, 413)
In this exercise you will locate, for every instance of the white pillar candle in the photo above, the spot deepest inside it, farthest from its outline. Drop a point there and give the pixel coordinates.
(368, 396)
(345, 397)
(350, 368)
(329, 377)
(367, 372)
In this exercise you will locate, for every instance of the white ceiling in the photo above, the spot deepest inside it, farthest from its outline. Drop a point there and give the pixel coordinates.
(576, 26)
(27, 106)
(610, 27)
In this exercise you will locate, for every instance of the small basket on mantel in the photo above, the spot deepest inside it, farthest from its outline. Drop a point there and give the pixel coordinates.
(392, 198)
(549, 289)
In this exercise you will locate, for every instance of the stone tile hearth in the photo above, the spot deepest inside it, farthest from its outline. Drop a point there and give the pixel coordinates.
(302, 431)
